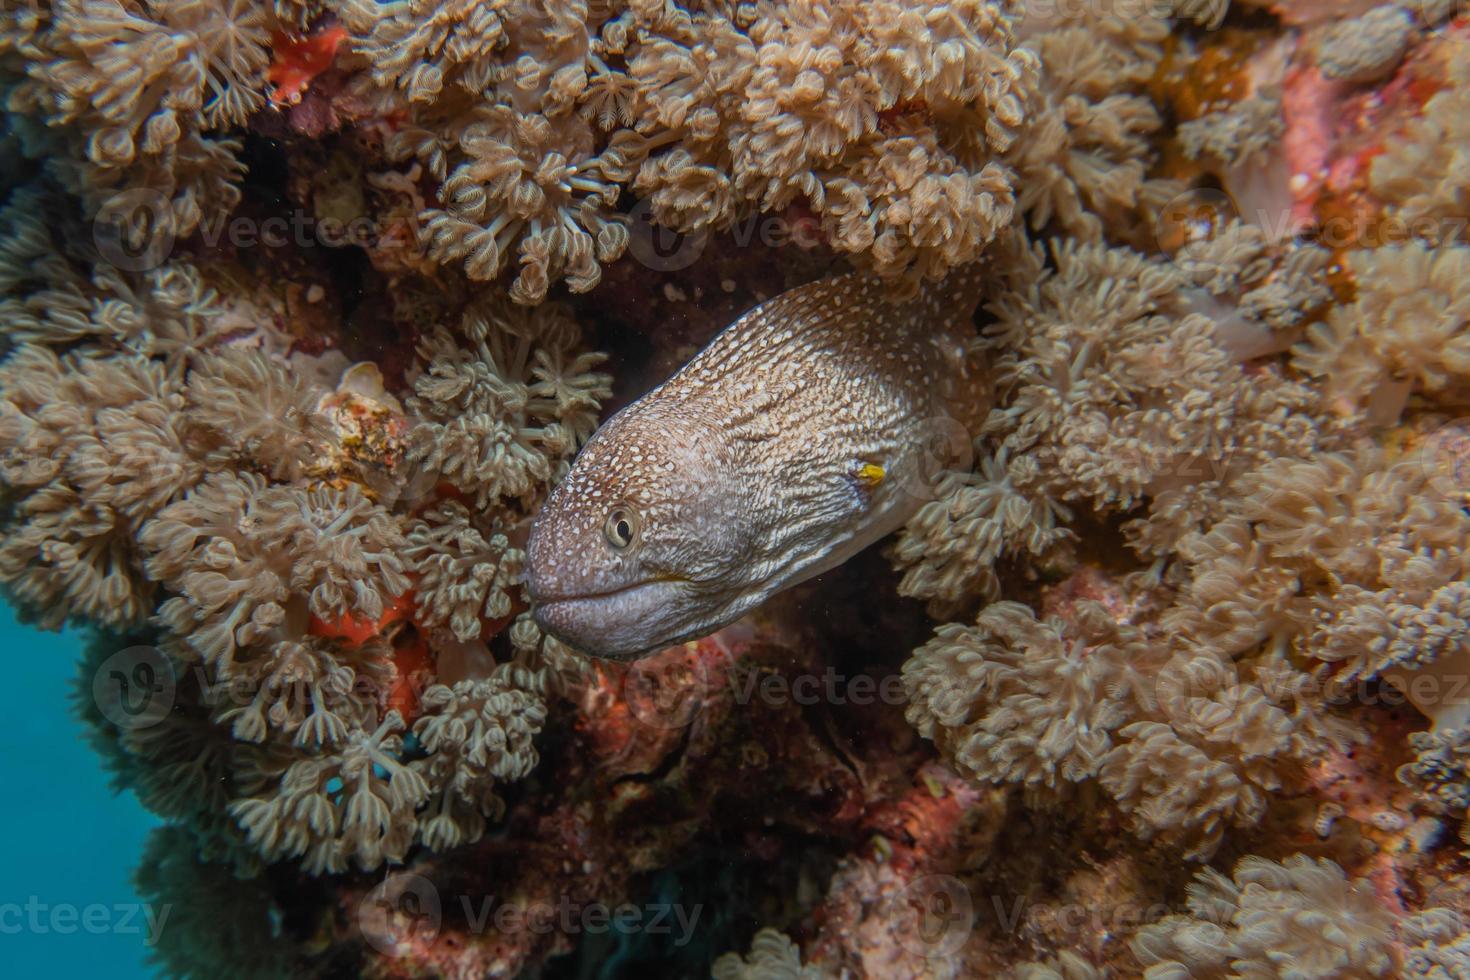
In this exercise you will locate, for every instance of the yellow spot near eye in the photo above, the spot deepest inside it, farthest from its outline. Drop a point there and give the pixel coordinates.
(871, 473)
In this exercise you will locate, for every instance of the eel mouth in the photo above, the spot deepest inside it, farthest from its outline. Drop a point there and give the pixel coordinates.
(622, 590)
(617, 624)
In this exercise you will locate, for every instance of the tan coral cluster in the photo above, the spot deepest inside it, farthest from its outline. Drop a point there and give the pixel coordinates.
(1085, 147)
(885, 120)
(1222, 407)
(1424, 176)
(1276, 436)
(167, 461)
(1284, 563)
(1302, 917)
(912, 131)
(1121, 379)
(136, 100)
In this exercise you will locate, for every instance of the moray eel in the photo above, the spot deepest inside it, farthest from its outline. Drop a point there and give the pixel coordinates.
(804, 432)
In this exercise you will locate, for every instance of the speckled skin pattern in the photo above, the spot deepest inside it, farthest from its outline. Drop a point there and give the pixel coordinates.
(750, 469)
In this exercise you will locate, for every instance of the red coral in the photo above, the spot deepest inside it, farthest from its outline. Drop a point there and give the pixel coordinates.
(299, 60)
(413, 671)
(356, 630)
(635, 713)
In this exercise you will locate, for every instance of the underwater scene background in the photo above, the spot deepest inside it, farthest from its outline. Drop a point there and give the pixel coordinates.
(76, 839)
(307, 306)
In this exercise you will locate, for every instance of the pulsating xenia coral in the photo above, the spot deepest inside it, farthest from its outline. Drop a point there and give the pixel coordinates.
(773, 956)
(1348, 565)
(363, 795)
(1391, 542)
(1138, 387)
(1364, 49)
(420, 45)
(52, 297)
(1440, 772)
(92, 448)
(1012, 699)
(477, 732)
(467, 569)
(1423, 174)
(244, 557)
(1407, 330)
(796, 112)
(1084, 148)
(109, 56)
(1118, 377)
(492, 88)
(1063, 966)
(884, 119)
(527, 179)
(1237, 134)
(1184, 741)
(354, 806)
(134, 89)
(94, 436)
(950, 547)
(168, 460)
(1300, 918)
(504, 402)
(1122, 378)
(257, 411)
(1438, 945)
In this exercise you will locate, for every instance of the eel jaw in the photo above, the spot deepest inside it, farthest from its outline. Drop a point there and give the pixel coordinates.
(621, 624)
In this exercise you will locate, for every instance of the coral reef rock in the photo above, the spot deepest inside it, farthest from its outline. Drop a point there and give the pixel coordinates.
(306, 305)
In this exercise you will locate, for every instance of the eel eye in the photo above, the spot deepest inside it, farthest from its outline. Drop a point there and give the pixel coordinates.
(621, 527)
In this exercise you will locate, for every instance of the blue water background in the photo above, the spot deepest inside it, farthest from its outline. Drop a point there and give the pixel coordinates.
(69, 841)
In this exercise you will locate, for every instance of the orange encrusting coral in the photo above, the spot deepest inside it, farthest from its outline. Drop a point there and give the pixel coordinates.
(356, 629)
(632, 710)
(296, 61)
(1191, 85)
(413, 671)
